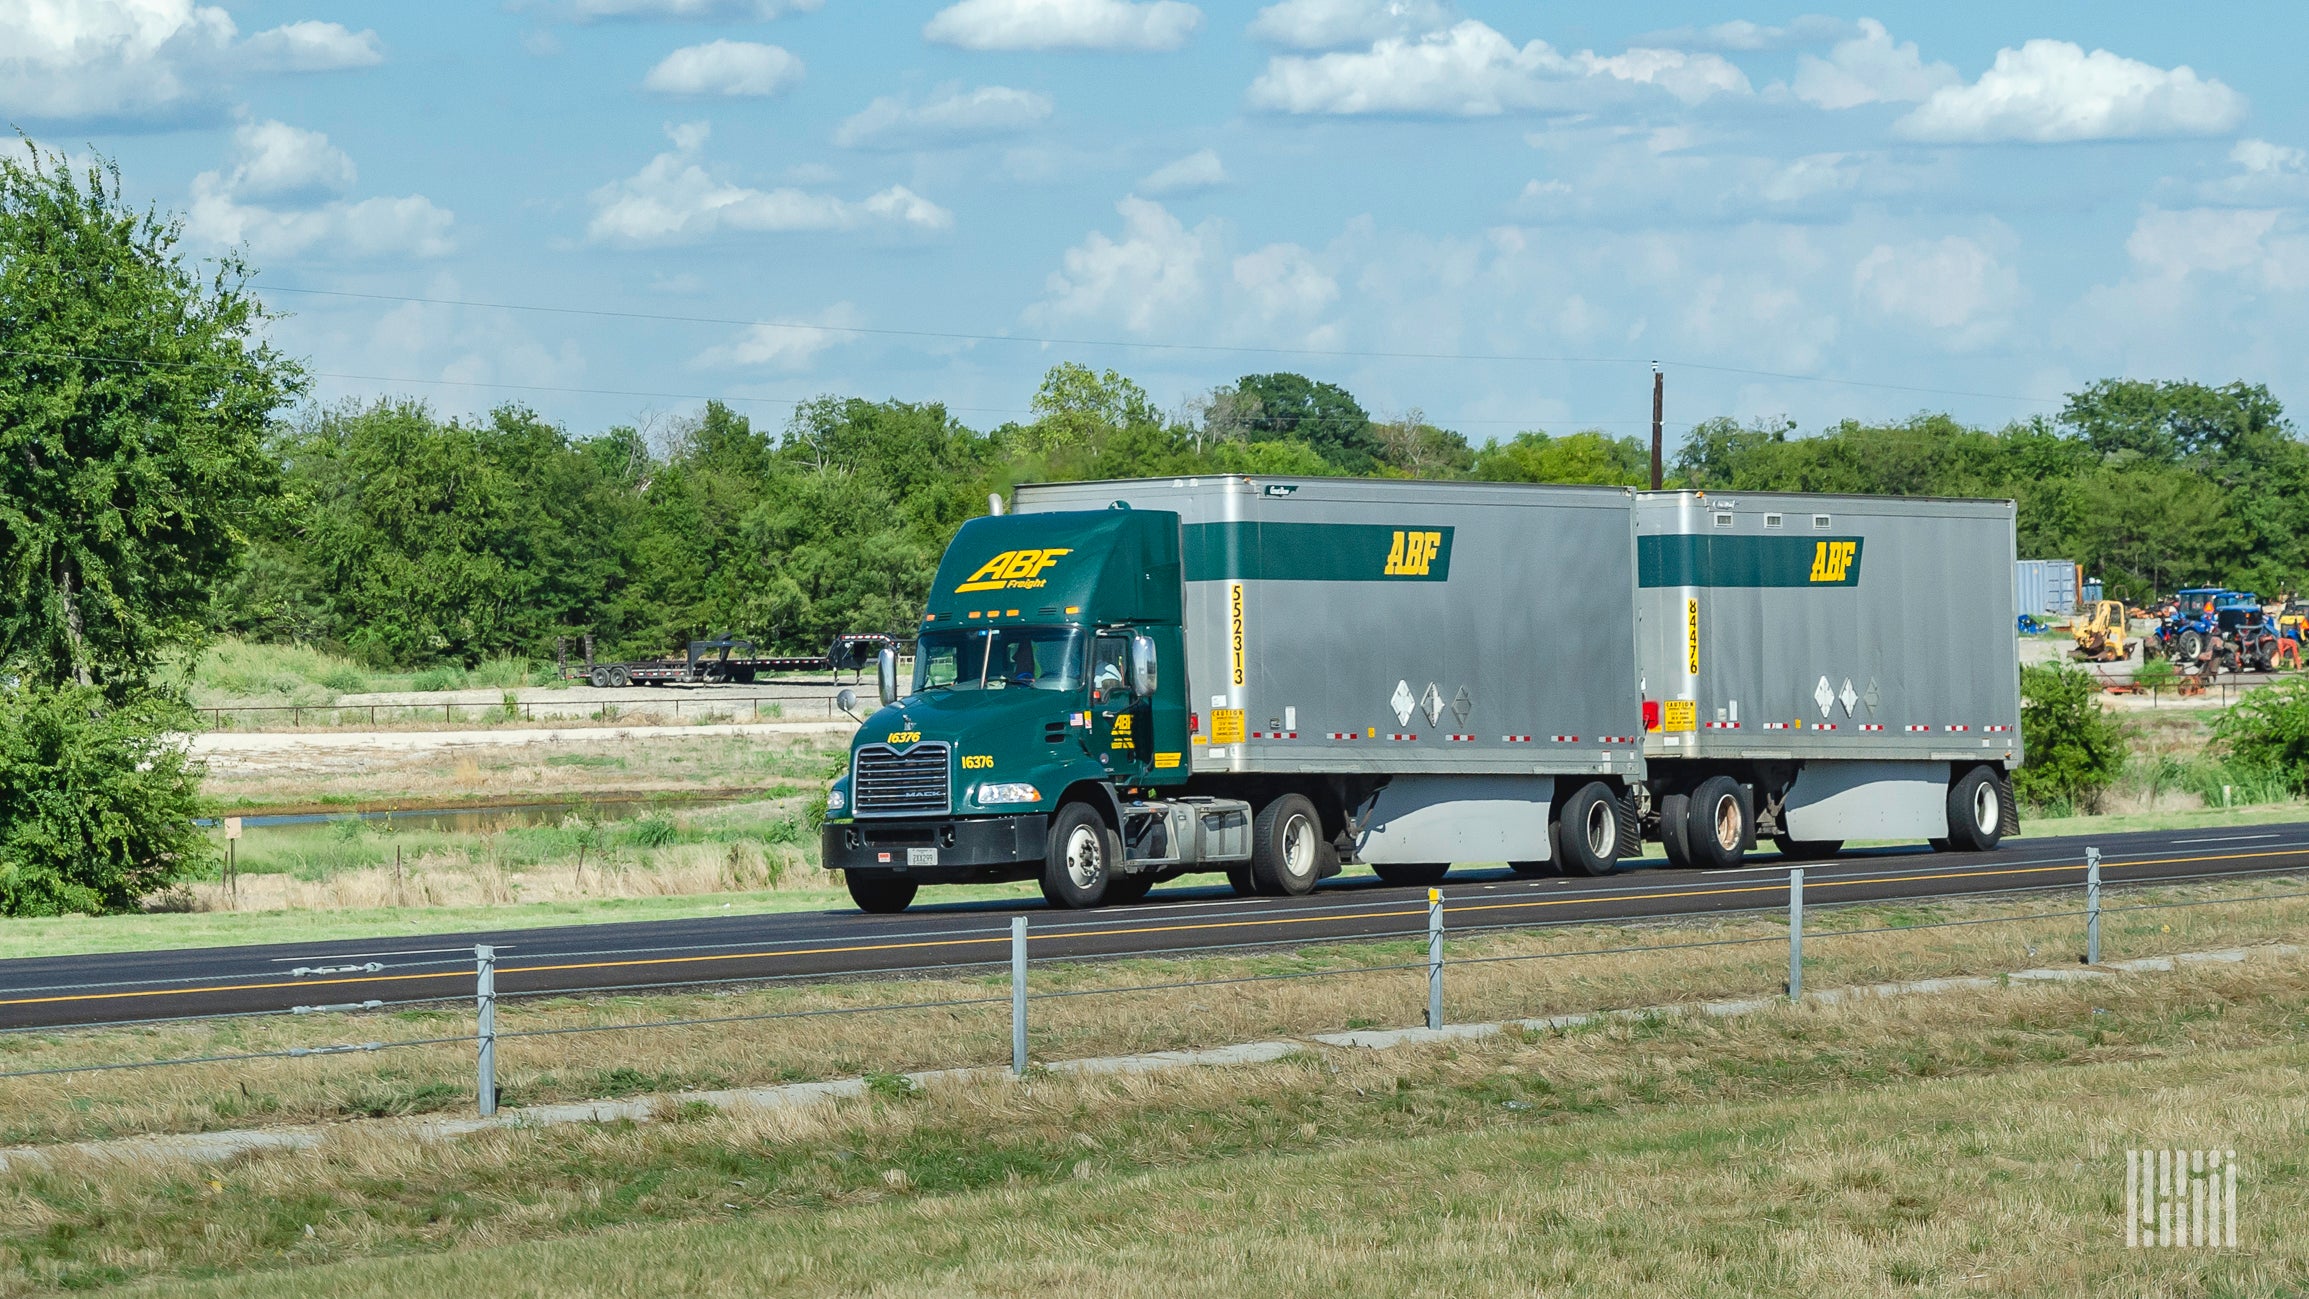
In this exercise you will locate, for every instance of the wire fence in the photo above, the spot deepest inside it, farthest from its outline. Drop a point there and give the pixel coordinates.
(1022, 995)
(791, 707)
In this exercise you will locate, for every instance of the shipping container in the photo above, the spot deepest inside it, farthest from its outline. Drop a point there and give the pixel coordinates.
(2046, 588)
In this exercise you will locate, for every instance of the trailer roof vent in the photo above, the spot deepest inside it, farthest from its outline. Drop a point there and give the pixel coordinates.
(1771, 520)
(1820, 522)
(1724, 519)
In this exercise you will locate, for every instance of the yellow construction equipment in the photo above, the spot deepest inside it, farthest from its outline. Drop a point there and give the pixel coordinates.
(2100, 633)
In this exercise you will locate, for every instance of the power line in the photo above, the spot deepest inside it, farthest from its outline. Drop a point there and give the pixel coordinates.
(1156, 346)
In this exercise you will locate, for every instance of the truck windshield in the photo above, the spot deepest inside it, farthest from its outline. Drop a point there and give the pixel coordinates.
(999, 658)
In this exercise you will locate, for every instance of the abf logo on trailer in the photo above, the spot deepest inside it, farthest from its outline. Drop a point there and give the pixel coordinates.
(1836, 562)
(1413, 553)
(1011, 570)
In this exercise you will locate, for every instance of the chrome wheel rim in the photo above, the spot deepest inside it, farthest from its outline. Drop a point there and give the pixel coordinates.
(1602, 830)
(1728, 823)
(1083, 853)
(1985, 809)
(1298, 847)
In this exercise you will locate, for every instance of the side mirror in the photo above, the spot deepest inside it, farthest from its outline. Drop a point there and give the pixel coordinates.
(846, 699)
(886, 675)
(1142, 666)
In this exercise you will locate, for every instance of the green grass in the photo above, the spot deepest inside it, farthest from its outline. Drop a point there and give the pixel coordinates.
(1970, 1144)
(241, 672)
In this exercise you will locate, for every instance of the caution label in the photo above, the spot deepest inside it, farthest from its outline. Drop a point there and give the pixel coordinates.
(1679, 715)
(1227, 726)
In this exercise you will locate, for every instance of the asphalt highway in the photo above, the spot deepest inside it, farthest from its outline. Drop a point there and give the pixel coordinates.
(145, 986)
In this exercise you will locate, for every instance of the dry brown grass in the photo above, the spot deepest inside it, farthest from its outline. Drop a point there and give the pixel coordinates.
(1971, 1143)
(1573, 970)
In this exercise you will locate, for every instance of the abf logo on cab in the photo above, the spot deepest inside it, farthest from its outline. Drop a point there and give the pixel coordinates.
(1011, 570)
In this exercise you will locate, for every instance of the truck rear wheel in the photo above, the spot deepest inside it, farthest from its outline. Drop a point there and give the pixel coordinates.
(1080, 860)
(1675, 828)
(1720, 823)
(1411, 873)
(1287, 847)
(1978, 811)
(879, 894)
(1587, 830)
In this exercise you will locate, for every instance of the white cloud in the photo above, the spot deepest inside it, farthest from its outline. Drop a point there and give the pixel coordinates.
(1150, 276)
(1330, 24)
(1944, 284)
(1869, 69)
(588, 11)
(312, 47)
(274, 203)
(734, 68)
(1471, 70)
(2050, 92)
(2174, 245)
(953, 116)
(1743, 36)
(279, 161)
(148, 60)
(1281, 280)
(1064, 24)
(785, 347)
(2262, 158)
(1199, 170)
(674, 199)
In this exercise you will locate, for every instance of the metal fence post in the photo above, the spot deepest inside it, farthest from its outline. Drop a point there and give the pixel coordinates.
(1795, 933)
(2092, 906)
(1018, 996)
(1434, 958)
(485, 1026)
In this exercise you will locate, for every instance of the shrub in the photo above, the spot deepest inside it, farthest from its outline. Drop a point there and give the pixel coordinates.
(2268, 730)
(438, 679)
(96, 805)
(2074, 750)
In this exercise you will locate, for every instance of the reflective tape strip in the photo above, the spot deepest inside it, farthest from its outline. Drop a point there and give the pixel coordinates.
(1827, 726)
(1723, 726)
(1618, 739)
(1462, 739)
(1277, 735)
(1871, 726)
(1996, 728)
(1515, 739)
(1959, 728)
(1344, 735)
(1775, 726)
(1567, 739)
(1402, 737)
(1913, 729)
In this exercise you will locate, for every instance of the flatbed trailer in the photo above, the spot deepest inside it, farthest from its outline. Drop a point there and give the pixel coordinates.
(714, 661)
(1125, 682)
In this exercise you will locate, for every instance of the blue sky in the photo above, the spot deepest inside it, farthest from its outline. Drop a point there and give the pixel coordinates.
(1496, 214)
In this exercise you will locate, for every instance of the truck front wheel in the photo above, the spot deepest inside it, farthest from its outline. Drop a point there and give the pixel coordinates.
(1287, 847)
(1081, 858)
(879, 895)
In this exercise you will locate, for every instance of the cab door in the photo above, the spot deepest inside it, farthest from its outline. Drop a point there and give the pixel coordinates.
(1120, 724)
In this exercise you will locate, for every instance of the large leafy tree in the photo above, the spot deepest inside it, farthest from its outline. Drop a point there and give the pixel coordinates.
(1296, 408)
(134, 400)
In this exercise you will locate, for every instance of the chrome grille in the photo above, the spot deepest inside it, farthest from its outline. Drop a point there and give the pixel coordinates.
(887, 782)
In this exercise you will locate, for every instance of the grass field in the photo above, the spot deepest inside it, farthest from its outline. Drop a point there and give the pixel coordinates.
(1968, 1144)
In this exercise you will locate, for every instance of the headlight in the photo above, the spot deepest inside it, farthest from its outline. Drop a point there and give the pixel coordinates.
(990, 794)
(836, 800)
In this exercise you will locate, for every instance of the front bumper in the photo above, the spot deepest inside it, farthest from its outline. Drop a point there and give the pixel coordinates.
(948, 850)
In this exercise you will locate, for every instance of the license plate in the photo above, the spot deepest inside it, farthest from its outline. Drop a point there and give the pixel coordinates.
(921, 856)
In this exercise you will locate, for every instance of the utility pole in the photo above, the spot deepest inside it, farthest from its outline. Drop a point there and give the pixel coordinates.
(1659, 396)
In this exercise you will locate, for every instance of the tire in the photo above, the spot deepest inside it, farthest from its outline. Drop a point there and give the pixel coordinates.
(1675, 822)
(2190, 646)
(1287, 847)
(1399, 873)
(1532, 869)
(879, 894)
(1078, 864)
(1940, 845)
(1720, 824)
(599, 677)
(620, 678)
(1587, 832)
(1978, 815)
(1122, 890)
(1807, 849)
(1239, 877)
